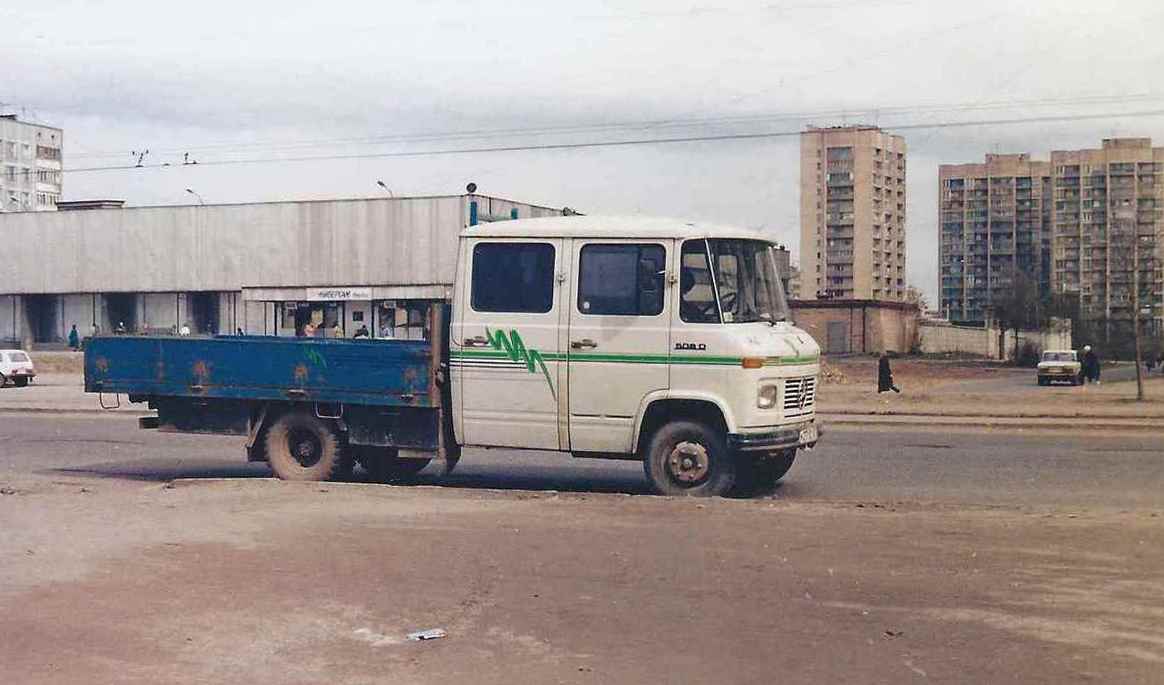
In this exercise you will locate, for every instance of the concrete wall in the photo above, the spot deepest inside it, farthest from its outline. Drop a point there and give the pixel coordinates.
(942, 337)
(382, 241)
(12, 325)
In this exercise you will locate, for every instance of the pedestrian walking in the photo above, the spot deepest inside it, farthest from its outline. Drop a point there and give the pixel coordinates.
(74, 338)
(885, 375)
(1090, 365)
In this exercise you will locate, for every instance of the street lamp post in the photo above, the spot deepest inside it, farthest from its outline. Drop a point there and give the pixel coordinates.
(200, 200)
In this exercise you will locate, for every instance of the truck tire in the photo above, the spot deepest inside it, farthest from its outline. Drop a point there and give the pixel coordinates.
(383, 466)
(1045, 381)
(20, 381)
(301, 446)
(758, 474)
(3, 380)
(689, 458)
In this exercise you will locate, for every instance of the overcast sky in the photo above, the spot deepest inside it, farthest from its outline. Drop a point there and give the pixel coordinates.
(259, 80)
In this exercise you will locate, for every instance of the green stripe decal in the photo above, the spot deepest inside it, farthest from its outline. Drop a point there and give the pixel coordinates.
(694, 359)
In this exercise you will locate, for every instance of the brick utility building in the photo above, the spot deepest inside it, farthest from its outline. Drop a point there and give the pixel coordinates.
(995, 223)
(30, 165)
(859, 326)
(852, 214)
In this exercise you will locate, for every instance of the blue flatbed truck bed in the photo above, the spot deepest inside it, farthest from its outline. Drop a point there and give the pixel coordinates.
(376, 397)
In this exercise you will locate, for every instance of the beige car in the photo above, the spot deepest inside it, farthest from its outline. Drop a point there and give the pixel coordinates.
(16, 368)
(1060, 366)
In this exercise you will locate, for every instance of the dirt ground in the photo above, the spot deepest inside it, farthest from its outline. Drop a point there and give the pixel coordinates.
(980, 388)
(264, 581)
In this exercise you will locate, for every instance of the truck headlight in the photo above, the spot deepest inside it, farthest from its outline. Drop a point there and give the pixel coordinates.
(766, 397)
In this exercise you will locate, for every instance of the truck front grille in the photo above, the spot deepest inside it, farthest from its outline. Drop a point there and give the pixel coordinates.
(799, 396)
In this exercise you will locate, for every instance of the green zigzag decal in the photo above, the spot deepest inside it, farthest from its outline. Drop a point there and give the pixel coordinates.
(516, 351)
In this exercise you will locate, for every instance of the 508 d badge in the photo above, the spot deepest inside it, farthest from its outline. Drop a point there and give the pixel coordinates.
(691, 346)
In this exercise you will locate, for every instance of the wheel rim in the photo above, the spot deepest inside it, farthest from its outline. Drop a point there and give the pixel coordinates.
(688, 464)
(305, 447)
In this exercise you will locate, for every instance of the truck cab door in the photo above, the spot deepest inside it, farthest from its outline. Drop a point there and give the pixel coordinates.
(619, 339)
(504, 344)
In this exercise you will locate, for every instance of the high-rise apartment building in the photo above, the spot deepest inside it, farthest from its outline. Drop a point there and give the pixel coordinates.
(995, 225)
(852, 214)
(1108, 234)
(30, 165)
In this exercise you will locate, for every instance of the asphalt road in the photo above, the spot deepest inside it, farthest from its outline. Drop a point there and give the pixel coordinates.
(969, 466)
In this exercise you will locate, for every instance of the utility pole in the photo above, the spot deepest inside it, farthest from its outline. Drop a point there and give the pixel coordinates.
(1136, 313)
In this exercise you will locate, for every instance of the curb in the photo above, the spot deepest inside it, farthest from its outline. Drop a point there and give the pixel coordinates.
(52, 411)
(1066, 424)
(931, 415)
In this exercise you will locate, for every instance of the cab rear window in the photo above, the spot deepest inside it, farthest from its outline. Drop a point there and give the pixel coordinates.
(513, 277)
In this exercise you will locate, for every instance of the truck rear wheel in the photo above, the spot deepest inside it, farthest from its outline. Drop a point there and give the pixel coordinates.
(383, 466)
(689, 458)
(301, 446)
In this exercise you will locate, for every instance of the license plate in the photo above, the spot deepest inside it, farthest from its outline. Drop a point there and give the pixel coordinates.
(808, 434)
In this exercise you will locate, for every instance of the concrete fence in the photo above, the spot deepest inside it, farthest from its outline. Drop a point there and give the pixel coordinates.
(943, 337)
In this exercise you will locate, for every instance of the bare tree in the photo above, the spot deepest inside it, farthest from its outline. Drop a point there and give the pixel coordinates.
(1016, 309)
(914, 295)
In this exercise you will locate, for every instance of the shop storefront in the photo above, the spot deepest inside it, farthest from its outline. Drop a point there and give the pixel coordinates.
(339, 312)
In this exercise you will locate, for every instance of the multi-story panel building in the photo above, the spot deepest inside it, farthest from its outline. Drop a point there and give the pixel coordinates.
(994, 225)
(852, 214)
(1108, 232)
(30, 165)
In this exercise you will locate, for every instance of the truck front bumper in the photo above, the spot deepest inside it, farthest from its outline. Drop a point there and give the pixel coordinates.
(786, 437)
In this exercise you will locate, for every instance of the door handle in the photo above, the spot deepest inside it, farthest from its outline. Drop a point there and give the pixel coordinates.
(582, 344)
(478, 341)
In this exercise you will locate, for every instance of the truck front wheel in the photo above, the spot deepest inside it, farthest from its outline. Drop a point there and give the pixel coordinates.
(689, 458)
(301, 446)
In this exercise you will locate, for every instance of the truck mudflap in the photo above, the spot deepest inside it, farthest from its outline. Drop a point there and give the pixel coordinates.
(801, 435)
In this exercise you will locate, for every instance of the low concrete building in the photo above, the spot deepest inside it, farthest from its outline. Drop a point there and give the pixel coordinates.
(858, 326)
(263, 268)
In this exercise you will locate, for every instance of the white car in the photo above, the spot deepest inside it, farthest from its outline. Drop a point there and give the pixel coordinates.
(1060, 365)
(16, 367)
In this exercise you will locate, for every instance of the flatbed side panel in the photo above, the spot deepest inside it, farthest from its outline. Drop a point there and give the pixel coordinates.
(372, 372)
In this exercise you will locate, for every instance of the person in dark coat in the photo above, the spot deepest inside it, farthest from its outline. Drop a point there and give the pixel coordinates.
(74, 338)
(1090, 365)
(885, 375)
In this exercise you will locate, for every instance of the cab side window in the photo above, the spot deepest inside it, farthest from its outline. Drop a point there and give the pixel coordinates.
(621, 279)
(513, 277)
(696, 293)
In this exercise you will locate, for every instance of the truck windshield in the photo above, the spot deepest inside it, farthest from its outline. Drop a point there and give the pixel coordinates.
(746, 281)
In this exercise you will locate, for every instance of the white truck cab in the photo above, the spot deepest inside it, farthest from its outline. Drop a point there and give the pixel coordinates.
(632, 338)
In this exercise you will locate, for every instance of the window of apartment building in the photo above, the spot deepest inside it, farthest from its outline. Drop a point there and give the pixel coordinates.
(836, 154)
(49, 153)
(10, 148)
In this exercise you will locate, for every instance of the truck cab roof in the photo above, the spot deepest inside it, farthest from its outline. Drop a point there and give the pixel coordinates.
(586, 226)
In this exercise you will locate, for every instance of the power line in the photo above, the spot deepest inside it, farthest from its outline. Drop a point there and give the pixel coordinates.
(876, 112)
(621, 143)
